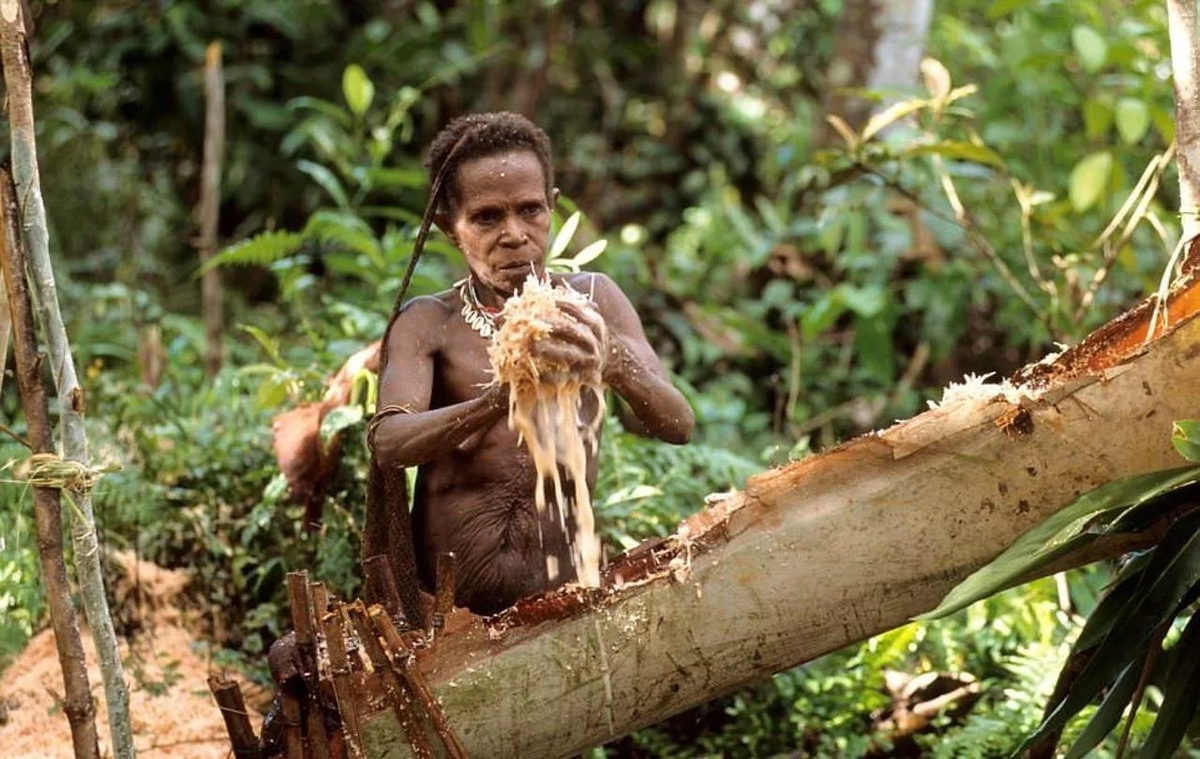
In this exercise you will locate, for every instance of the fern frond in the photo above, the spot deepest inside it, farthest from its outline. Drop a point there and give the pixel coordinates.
(261, 250)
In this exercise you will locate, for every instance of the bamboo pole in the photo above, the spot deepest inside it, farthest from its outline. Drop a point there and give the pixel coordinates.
(18, 80)
(47, 509)
(1185, 66)
(209, 209)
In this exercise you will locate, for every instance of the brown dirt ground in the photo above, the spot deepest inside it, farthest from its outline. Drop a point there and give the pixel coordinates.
(166, 666)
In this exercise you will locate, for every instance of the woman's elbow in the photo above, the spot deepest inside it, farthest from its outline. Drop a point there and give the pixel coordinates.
(678, 430)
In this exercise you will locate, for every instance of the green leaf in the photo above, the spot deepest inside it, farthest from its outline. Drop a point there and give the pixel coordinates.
(1133, 119)
(1089, 179)
(1172, 571)
(327, 180)
(357, 88)
(563, 238)
(1065, 530)
(268, 343)
(960, 151)
(1181, 699)
(890, 115)
(590, 253)
(1109, 714)
(821, 315)
(1097, 118)
(338, 419)
(403, 178)
(1090, 46)
(875, 348)
(1185, 436)
(261, 250)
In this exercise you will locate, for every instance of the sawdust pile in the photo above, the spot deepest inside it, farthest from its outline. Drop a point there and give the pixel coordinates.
(545, 404)
(166, 668)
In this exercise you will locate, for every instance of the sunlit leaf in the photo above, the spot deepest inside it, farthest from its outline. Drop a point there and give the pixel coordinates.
(961, 151)
(357, 88)
(1090, 47)
(839, 124)
(1185, 436)
(1133, 119)
(563, 238)
(1089, 179)
(889, 116)
(590, 253)
(936, 78)
(338, 419)
(268, 343)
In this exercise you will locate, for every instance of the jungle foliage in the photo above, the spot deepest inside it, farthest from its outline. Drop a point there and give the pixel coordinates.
(800, 291)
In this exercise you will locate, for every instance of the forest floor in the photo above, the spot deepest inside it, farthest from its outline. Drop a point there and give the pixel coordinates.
(167, 665)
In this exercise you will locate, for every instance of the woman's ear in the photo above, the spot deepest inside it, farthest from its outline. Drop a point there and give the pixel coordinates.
(554, 199)
(445, 222)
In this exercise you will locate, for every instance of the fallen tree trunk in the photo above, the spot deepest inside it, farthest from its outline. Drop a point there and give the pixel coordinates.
(813, 556)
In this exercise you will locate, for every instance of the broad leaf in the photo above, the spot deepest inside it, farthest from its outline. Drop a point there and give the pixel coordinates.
(1172, 571)
(563, 238)
(338, 419)
(1181, 699)
(1133, 119)
(1066, 530)
(357, 88)
(936, 78)
(889, 116)
(1089, 179)
(1090, 46)
(960, 151)
(590, 253)
(1185, 436)
(1109, 714)
(1097, 118)
(328, 181)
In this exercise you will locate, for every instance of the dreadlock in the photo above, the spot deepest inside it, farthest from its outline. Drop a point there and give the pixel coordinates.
(478, 135)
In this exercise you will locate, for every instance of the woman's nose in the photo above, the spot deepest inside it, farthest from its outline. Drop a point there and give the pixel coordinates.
(511, 234)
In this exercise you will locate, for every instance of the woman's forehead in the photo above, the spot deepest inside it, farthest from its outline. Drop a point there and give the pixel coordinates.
(509, 171)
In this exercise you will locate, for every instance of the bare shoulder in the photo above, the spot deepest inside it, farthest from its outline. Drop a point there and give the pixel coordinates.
(421, 321)
(600, 287)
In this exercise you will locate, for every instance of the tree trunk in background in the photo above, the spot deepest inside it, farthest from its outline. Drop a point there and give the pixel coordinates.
(18, 79)
(209, 210)
(1185, 66)
(816, 555)
(879, 46)
(47, 507)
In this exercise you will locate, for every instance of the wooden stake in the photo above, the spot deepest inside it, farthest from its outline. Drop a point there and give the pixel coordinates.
(381, 584)
(18, 81)
(302, 622)
(293, 740)
(392, 684)
(209, 210)
(444, 599)
(343, 686)
(417, 684)
(47, 507)
(228, 695)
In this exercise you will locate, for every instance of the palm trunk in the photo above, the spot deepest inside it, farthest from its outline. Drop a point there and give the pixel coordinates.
(817, 555)
(18, 79)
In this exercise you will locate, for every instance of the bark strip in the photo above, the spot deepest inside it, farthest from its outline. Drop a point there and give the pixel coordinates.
(18, 80)
(47, 508)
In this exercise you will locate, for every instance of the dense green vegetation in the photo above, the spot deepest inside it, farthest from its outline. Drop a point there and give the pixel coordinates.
(801, 288)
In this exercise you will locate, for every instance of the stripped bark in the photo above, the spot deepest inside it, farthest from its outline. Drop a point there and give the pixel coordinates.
(1185, 66)
(814, 556)
(209, 210)
(18, 80)
(47, 508)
